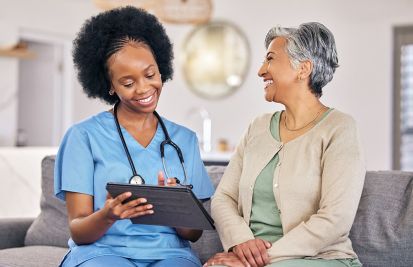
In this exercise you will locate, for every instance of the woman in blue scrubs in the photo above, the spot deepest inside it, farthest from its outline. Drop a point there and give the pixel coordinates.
(124, 56)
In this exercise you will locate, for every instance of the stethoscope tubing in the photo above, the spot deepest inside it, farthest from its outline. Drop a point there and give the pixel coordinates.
(125, 147)
(137, 178)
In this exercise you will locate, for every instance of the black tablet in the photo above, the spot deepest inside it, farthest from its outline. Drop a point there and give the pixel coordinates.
(174, 206)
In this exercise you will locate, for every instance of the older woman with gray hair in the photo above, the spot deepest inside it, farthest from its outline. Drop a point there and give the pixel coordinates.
(290, 192)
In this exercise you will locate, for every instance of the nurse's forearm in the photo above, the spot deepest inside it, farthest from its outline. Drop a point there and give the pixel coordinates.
(86, 230)
(189, 234)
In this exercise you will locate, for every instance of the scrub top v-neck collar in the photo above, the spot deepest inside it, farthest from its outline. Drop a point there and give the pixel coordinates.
(131, 140)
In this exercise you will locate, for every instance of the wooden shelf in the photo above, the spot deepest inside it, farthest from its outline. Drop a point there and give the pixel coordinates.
(22, 53)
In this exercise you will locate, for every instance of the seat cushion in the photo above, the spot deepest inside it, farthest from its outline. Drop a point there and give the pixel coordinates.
(45, 256)
(382, 233)
(51, 227)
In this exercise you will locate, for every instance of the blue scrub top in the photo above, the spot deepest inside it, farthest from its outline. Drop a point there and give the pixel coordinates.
(91, 154)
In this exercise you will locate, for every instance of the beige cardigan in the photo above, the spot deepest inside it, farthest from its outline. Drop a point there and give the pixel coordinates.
(317, 186)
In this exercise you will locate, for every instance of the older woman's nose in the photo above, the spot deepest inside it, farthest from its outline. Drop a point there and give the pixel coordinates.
(263, 69)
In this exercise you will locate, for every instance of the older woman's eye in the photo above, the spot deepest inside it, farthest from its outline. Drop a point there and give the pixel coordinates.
(266, 60)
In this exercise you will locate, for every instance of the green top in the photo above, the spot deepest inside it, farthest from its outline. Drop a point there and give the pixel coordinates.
(265, 221)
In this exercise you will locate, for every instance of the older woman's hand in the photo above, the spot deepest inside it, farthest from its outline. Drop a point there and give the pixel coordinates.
(228, 259)
(253, 252)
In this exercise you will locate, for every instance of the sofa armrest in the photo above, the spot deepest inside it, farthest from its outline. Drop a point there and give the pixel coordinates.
(13, 231)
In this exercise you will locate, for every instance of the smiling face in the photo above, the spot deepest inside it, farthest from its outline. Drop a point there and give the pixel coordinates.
(278, 74)
(135, 77)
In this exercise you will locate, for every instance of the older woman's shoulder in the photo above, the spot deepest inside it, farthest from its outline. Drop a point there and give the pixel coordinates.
(263, 120)
(338, 122)
(337, 117)
(260, 124)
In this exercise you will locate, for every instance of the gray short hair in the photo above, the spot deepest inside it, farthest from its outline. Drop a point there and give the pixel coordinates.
(310, 41)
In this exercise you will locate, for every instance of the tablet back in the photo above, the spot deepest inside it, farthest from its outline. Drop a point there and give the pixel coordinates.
(173, 206)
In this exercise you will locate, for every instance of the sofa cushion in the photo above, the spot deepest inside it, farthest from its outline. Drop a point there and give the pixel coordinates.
(45, 256)
(13, 231)
(50, 228)
(209, 243)
(382, 233)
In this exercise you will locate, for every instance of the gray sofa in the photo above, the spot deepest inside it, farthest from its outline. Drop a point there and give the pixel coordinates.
(382, 233)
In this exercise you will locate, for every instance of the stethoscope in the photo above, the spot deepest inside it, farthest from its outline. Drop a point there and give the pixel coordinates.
(137, 178)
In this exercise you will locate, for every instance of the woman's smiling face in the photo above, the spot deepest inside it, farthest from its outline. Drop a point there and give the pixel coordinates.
(135, 77)
(277, 72)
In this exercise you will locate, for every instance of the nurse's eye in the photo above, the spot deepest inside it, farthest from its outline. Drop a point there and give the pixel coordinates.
(150, 76)
(128, 85)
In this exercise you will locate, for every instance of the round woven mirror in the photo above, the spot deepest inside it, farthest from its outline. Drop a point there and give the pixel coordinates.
(215, 59)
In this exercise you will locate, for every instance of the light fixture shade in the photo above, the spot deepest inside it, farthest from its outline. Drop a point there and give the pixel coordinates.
(183, 11)
(170, 11)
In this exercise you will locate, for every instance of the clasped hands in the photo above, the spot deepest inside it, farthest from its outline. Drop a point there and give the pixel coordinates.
(117, 210)
(252, 253)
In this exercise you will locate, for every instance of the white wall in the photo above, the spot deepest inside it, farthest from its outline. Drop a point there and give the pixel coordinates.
(362, 86)
(37, 81)
(20, 188)
(8, 103)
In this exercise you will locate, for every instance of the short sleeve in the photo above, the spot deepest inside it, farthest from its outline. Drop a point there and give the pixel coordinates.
(203, 187)
(74, 165)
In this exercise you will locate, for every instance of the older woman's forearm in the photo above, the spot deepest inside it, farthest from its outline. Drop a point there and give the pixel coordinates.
(230, 225)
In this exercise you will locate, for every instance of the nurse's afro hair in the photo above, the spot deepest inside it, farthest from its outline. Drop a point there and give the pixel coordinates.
(103, 35)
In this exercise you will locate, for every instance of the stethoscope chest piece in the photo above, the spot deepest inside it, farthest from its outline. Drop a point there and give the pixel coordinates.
(136, 179)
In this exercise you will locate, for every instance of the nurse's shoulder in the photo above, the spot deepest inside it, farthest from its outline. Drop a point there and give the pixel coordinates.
(91, 124)
(177, 130)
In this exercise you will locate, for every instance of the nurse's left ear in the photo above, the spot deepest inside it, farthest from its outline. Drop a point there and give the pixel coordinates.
(304, 69)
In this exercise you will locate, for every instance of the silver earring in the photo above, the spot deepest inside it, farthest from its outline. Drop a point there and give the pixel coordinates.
(111, 92)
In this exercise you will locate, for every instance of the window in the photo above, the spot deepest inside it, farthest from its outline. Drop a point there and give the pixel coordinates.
(403, 99)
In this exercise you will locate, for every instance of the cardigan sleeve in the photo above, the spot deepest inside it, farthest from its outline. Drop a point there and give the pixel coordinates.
(230, 224)
(343, 173)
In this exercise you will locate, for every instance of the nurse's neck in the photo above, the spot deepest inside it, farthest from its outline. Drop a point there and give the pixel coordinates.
(132, 119)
